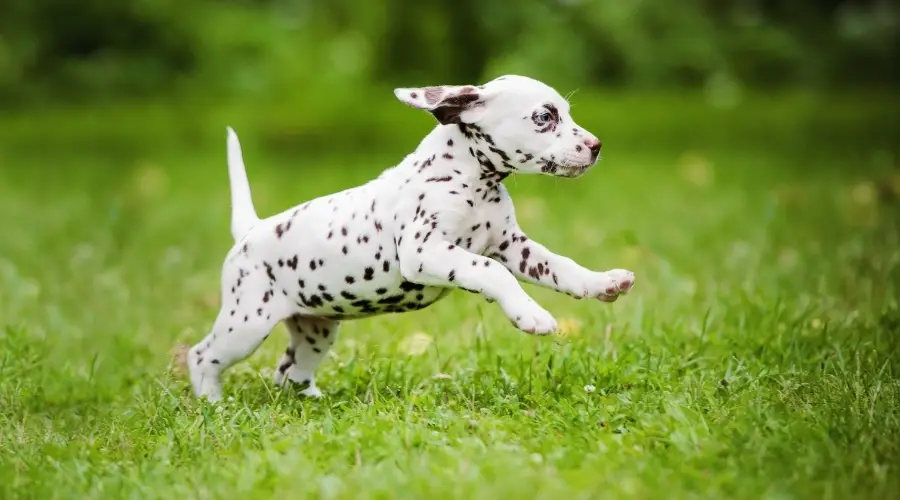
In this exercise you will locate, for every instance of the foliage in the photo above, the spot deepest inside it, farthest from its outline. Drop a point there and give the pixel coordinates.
(98, 49)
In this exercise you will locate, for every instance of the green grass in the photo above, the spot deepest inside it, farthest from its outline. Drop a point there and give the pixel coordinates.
(757, 357)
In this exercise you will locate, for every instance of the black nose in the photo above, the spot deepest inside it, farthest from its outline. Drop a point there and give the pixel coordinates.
(594, 145)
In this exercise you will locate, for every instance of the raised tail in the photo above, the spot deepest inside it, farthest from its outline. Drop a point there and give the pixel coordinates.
(243, 215)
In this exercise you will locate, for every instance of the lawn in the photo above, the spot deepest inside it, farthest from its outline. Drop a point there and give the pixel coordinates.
(757, 357)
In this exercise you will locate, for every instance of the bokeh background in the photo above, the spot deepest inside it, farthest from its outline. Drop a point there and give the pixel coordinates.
(298, 73)
(750, 177)
(243, 49)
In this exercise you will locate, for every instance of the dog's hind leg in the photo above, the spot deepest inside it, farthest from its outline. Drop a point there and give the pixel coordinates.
(250, 310)
(311, 339)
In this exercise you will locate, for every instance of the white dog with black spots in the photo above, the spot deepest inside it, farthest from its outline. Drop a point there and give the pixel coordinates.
(438, 221)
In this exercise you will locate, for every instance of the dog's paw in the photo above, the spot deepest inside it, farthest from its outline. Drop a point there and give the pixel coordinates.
(302, 382)
(312, 392)
(614, 283)
(209, 390)
(204, 376)
(531, 318)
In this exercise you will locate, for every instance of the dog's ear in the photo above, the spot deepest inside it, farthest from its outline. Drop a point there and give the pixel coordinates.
(446, 102)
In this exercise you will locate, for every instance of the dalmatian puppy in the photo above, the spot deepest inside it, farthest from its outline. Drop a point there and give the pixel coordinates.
(439, 220)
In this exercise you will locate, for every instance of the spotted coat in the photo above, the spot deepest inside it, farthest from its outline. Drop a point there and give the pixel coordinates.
(439, 220)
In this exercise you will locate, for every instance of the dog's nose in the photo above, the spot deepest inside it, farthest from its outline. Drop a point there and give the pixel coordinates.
(594, 145)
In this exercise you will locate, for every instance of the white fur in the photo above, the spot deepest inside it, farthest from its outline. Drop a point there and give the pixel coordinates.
(439, 220)
(243, 215)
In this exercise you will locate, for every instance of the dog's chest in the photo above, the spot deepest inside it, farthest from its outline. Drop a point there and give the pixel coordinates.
(456, 208)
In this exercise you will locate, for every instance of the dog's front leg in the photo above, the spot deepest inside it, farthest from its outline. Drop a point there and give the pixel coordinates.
(530, 261)
(437, 262)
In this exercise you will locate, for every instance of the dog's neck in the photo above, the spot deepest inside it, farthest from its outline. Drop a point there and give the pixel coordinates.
(473, 152)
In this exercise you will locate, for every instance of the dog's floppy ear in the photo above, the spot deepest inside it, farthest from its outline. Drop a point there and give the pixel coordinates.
(446, 102)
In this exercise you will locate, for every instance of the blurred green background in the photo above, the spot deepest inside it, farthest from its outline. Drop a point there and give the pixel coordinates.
(303, 73)
(102, 50)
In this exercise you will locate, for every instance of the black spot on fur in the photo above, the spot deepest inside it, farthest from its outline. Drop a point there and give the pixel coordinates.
(499, 152)
(269, 271)
(408, 286)
(393, 299)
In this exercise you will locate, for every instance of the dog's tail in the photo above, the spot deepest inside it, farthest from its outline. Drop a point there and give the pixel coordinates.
(243, 215)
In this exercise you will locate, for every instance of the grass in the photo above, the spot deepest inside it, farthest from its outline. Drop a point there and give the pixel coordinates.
(757, 357)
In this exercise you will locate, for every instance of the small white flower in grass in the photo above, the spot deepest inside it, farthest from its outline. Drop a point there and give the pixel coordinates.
(537, 458)
(589, 388)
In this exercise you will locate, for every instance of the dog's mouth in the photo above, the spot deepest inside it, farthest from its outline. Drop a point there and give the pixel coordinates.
(572, 171)
(565, 171)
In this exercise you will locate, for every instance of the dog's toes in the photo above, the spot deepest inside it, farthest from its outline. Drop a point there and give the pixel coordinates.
(312, 392)
(620, 282)
(624, 279)
(538, 322)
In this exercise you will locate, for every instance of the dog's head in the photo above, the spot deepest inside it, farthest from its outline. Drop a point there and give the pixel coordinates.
(524, 121)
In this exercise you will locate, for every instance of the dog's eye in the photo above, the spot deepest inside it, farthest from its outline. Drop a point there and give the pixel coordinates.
(544, 117)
